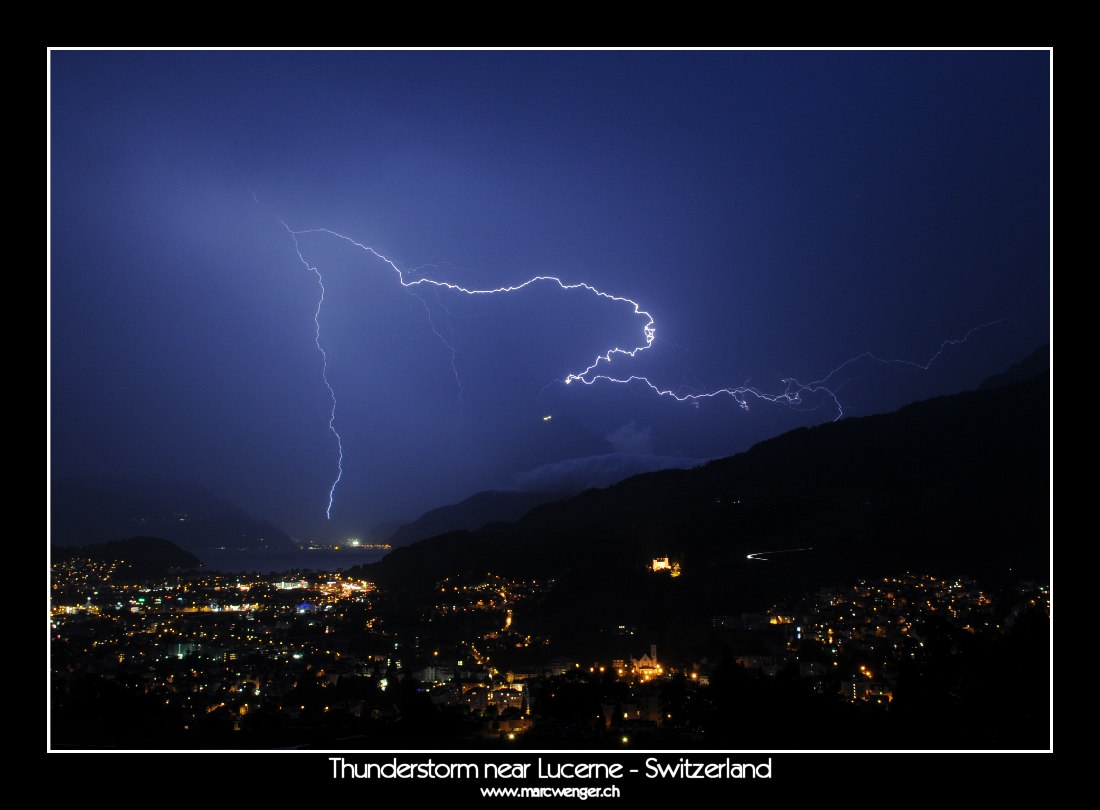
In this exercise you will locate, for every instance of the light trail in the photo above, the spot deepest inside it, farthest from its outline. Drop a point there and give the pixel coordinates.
(792, 395)
(758, 555)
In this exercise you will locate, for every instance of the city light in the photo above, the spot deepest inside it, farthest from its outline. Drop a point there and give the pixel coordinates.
(205, 652)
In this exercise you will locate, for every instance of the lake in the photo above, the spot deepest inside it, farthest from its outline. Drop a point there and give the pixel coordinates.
(271, 561)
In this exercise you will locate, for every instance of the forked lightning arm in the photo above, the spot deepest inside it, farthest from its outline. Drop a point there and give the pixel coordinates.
(791, 394)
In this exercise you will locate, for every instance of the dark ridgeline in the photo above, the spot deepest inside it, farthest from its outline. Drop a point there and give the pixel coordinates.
(98, 510)
(957, 485)
(381, 532)
(138, 557)
(555, 454)
(1038, 362)
(478, 510)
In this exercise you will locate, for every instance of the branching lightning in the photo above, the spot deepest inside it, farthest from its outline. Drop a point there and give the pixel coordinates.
(443, 340)
(324, 373)
(793, 394)
(793, 391)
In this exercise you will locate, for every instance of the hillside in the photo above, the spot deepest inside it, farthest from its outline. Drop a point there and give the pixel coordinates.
(550, 482)
(1038, 362)
(99, 510)
(138, 557)
(476, 511)
(955, 485)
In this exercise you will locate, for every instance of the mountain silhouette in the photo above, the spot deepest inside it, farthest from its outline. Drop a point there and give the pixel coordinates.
(1030, 367)
(550, 482)
(86, 511)
(955, 485)
(476, 511)
(137, 557)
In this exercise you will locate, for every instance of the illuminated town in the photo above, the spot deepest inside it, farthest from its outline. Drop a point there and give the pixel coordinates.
(195, 657)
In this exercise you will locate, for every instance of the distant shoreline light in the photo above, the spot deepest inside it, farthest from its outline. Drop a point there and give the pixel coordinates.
(351, 546)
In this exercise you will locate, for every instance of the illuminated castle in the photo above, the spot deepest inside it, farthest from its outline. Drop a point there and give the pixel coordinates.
(662, 564)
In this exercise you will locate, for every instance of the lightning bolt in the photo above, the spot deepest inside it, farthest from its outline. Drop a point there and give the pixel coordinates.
(793, 394)
(443, 340)
(793, 391)
(324, 372)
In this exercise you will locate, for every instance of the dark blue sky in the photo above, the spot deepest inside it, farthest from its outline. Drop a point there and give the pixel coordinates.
(776, 213)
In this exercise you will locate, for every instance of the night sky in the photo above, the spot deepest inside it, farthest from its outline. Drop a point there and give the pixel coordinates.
(776, 213)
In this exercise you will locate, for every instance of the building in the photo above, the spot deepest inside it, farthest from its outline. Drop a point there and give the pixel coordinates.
(438, 673)
(647, 667)
(662, 564)
(811, 669)
(867, 692)
(508, 698)
(755, 661)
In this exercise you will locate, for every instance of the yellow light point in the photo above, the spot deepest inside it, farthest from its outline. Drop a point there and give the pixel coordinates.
(547, 418)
